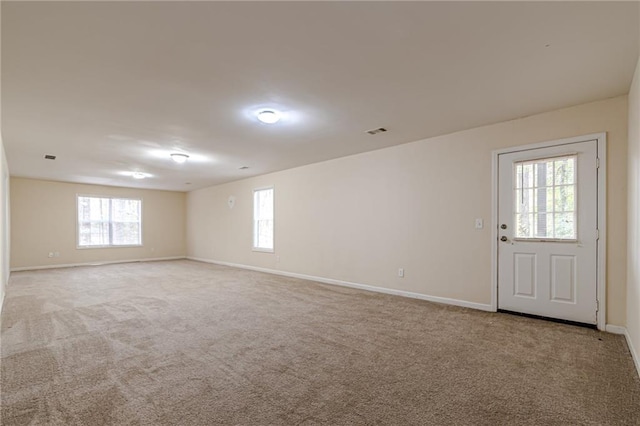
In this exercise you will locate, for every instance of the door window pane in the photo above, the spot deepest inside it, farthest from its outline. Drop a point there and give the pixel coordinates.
(545, 198)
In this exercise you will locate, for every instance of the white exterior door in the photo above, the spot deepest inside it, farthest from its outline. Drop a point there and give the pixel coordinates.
(547, 236)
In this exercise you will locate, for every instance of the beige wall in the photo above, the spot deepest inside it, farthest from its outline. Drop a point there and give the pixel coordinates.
(4, 216)
(413, 206)
(44, 220)
(633, 274)
(4, 222)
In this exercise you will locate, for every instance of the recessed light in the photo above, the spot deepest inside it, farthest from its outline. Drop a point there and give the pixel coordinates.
(269, 116)
(179, 158)
(138, 175)
(49, 157)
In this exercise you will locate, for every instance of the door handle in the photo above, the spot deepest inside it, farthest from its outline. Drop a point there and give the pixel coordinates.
(504, 238)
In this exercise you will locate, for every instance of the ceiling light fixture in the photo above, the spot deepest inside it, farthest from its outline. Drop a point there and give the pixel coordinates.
(269, 116)
(138, 175)
(179, 158)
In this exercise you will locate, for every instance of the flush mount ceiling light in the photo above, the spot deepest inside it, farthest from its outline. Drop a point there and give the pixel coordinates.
(138, 175)
(179, 158)
(269, 116)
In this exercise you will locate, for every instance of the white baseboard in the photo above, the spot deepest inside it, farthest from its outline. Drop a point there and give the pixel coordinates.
(616, 329)
(107, 262)
(634, 354)
(444, 300)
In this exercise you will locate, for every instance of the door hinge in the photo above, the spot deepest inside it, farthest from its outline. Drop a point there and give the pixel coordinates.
(597, 305)
(597, 234)
(597, 162)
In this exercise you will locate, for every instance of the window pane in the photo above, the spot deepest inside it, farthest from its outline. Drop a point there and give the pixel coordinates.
(527, 176)
(564, 198)
(524, 226)
(524, 200)
(265, 234)
(541, 175)
(93, 209)
(125, 222)
(565, 169)
(93, 233)
(545, 198)
(550, 180)
(541, 228)
(549, 199)
(550, 226)
(264, 204)
(108, 221)
(540, 201)
(125, 210)
(126, 233)
(263, 219)
(565, 225)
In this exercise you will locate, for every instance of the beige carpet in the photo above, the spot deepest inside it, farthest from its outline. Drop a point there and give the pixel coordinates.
(187, 343)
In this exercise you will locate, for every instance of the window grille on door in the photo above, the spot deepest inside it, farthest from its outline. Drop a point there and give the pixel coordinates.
(545, 198)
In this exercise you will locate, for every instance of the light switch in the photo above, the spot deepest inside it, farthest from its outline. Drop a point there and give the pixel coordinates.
(479, 224)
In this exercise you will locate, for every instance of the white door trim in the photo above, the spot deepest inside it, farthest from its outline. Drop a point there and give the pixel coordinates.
(601, 278)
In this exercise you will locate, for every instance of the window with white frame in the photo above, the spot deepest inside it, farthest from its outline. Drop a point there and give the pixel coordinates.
(263, 219)
(545, 198)
(109, 221)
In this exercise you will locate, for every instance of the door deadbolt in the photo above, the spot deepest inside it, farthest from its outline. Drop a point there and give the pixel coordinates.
(503, 226)
(503, 238)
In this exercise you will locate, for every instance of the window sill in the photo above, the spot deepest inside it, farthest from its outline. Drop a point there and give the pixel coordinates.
(263, 250)
(108, 247)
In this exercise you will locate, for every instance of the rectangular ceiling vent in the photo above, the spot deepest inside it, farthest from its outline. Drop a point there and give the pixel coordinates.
(376, 131)
(50, 157)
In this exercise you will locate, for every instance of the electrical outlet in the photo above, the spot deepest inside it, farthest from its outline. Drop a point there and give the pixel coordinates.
(401, 272)
(56, 254)
(50, 254)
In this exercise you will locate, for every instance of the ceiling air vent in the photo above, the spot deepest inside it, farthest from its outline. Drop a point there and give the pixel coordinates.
(376, 131)
(49, 157)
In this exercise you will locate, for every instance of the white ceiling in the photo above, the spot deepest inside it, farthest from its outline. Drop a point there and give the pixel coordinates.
(112, 88)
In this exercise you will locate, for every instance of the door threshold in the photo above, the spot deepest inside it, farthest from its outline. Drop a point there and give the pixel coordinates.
(540, 317)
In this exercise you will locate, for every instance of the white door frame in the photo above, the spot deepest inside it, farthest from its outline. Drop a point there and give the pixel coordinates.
(601, 267)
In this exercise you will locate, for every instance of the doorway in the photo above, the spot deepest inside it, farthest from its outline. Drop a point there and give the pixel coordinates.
(549, 230)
